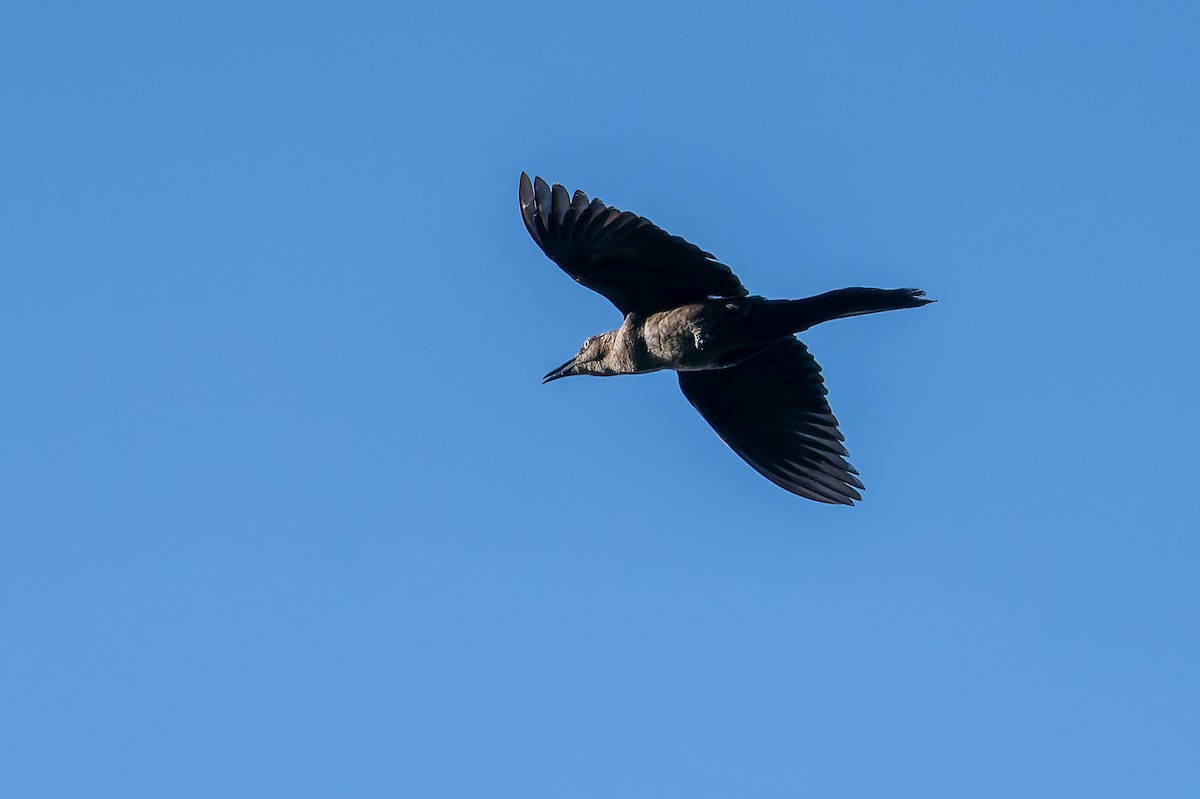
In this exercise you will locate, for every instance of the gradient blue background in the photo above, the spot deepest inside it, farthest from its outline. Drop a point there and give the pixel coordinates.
(286, 511)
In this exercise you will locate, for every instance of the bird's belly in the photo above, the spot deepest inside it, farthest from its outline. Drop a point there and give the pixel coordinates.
(685, 341)
(670, 343)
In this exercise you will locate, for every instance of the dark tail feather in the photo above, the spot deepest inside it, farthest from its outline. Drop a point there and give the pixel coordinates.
(795, 316)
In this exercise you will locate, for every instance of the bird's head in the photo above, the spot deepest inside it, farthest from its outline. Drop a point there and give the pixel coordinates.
(592, 359)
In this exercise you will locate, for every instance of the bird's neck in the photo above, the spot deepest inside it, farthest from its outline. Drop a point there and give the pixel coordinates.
(623, 345)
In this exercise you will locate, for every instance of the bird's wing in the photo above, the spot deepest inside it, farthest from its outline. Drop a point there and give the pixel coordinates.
(771, 410)
(631, 261)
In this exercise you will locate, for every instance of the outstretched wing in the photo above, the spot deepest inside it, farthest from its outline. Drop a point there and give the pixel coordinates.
(771, 410)
(635, 264)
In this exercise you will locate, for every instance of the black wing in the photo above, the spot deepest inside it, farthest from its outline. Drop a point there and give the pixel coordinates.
(771, 410)
(635, 264)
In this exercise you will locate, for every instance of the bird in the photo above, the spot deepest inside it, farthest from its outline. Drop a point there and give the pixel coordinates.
(737, 357)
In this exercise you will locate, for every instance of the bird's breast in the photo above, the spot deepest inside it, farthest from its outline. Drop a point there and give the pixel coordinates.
(683, 339)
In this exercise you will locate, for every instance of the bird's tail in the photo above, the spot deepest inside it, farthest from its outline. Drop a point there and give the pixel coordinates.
(782, 317)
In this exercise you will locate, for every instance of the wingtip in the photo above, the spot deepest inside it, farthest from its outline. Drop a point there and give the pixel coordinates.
(525, 190)
(824, 494)
(847, 496)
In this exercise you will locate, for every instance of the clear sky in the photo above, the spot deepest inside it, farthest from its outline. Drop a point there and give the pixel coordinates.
(286, 511)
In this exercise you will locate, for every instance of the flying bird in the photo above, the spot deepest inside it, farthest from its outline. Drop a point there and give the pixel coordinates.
(737, 357)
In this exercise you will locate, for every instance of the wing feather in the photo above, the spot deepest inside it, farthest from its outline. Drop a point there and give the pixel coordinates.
(638, 266)
(771, 410)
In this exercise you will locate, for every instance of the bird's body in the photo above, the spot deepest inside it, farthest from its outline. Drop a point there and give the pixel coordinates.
(688, 338)
(738, 360)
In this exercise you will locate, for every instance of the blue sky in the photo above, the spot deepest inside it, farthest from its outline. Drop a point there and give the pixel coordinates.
(272, 528)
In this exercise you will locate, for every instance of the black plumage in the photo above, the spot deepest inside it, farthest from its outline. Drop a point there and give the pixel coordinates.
(637, 265)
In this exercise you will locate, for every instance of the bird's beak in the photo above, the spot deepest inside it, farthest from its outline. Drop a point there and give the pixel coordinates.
(566, 370)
